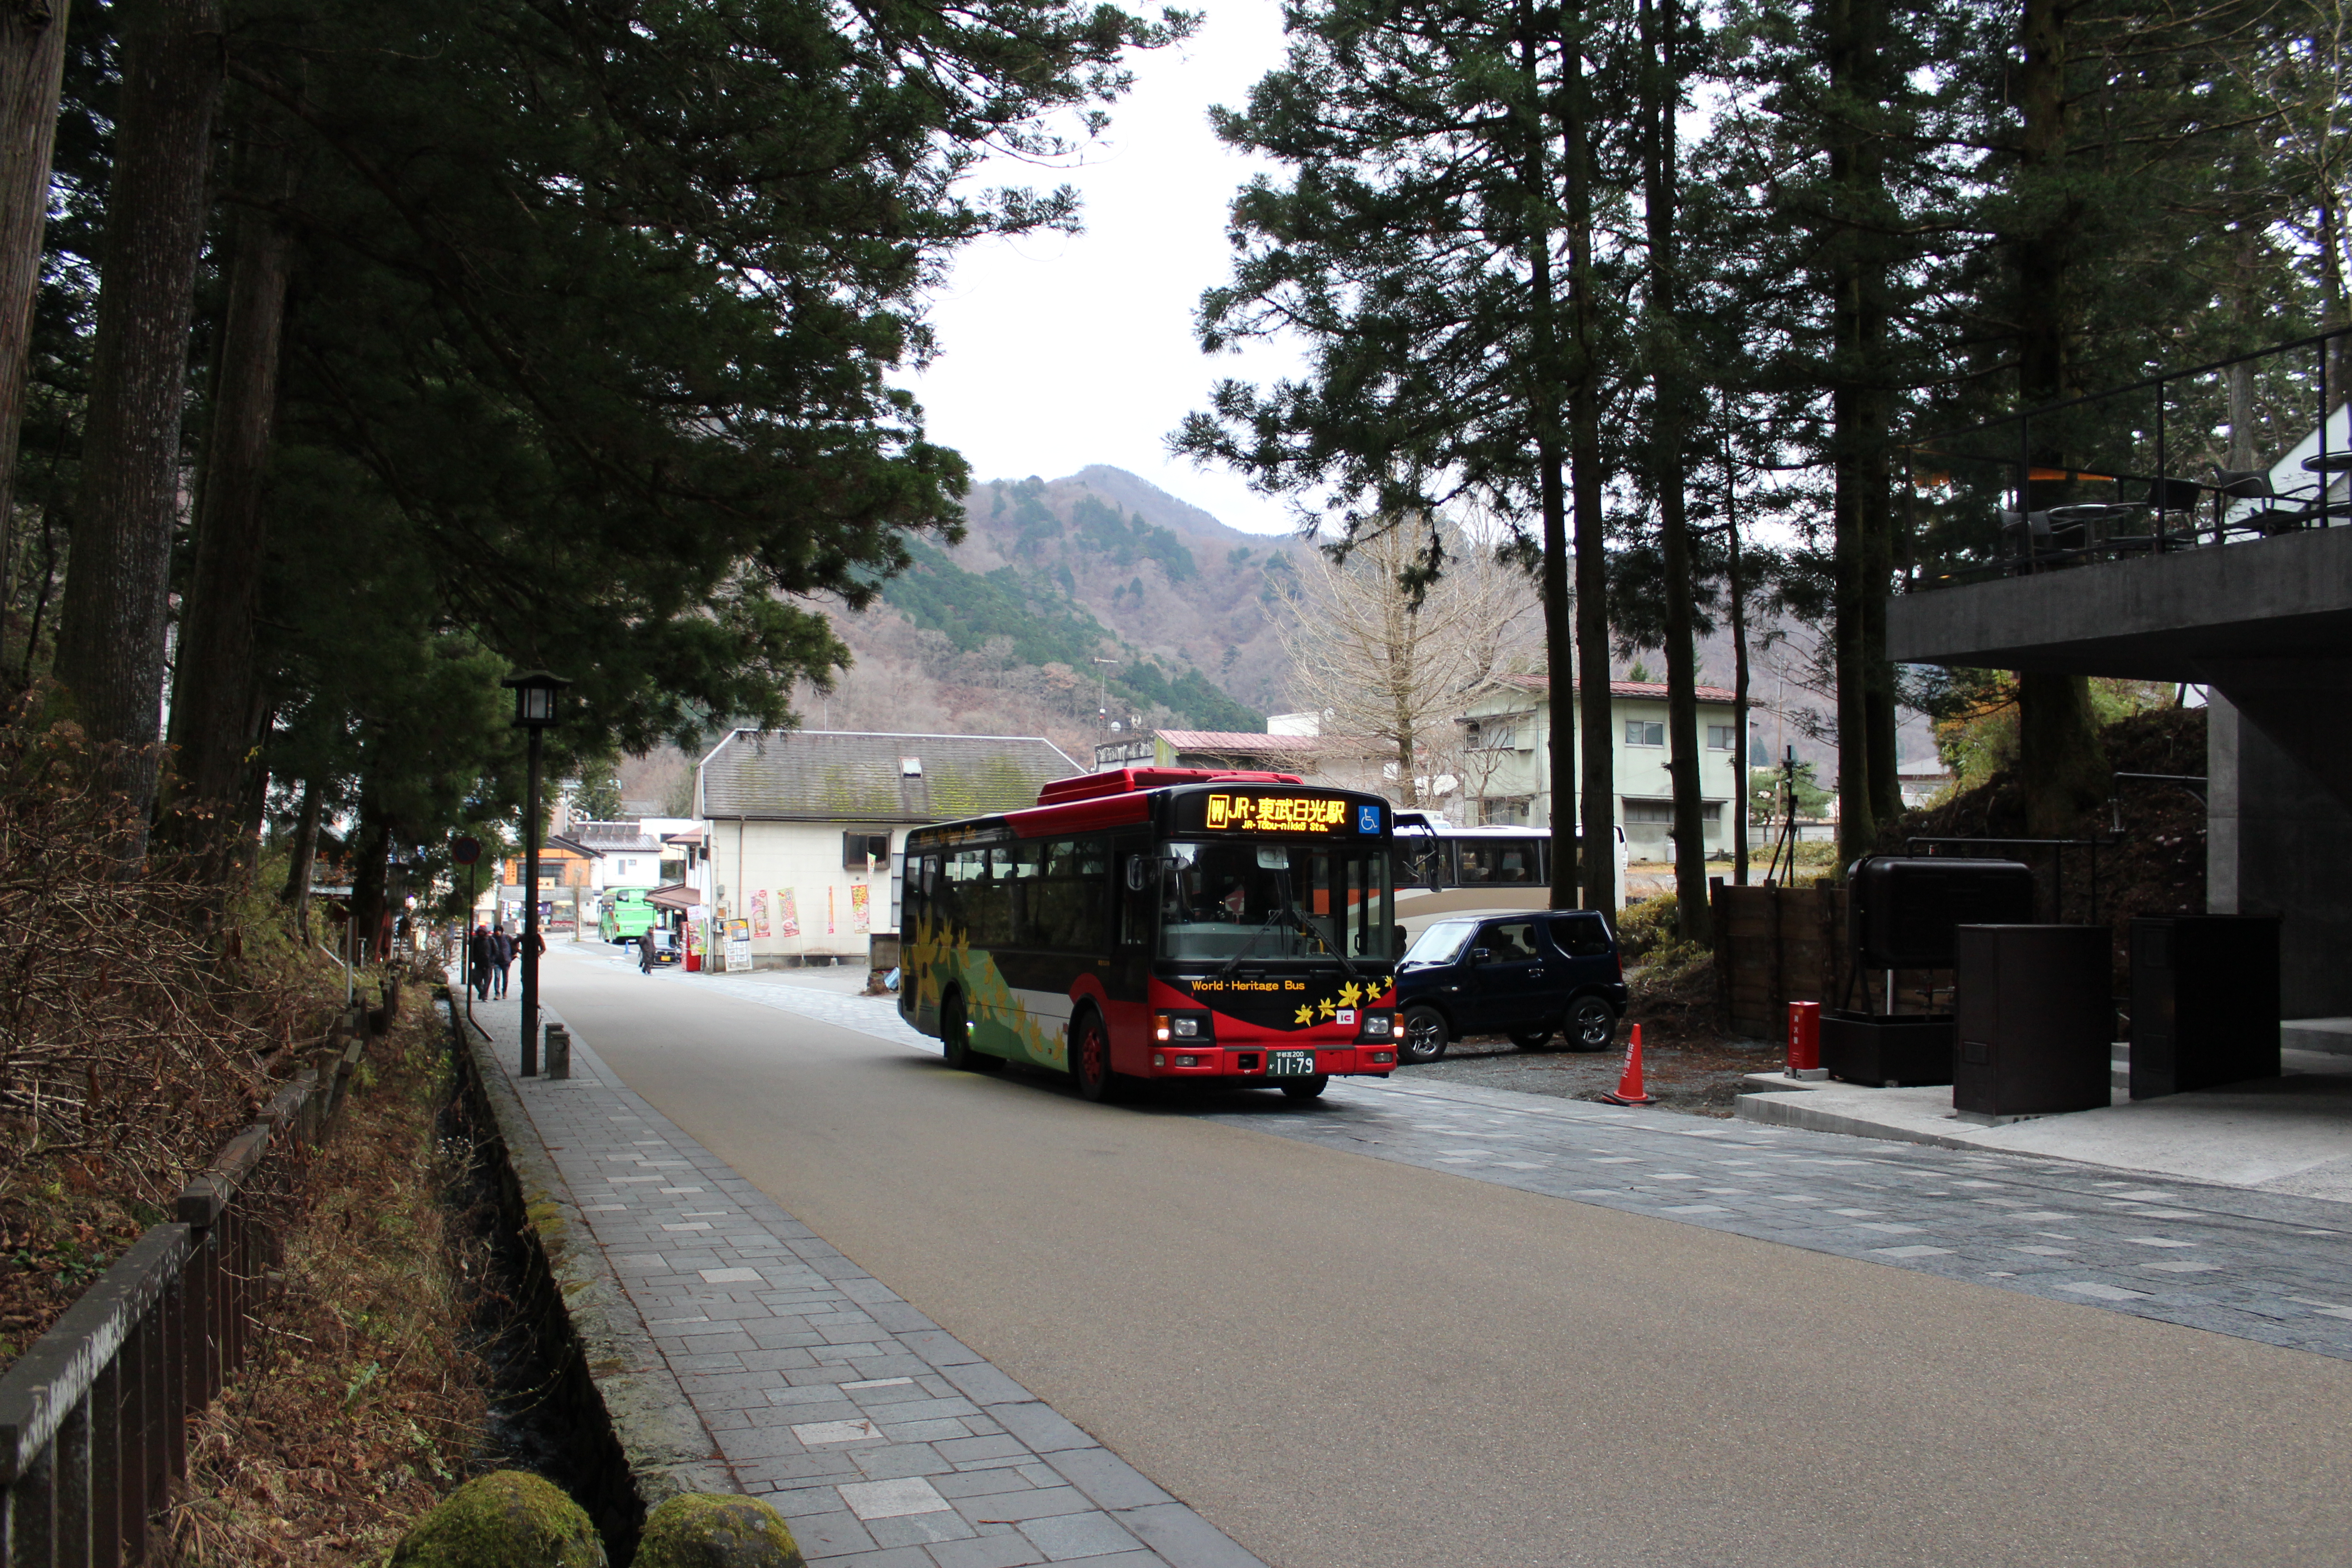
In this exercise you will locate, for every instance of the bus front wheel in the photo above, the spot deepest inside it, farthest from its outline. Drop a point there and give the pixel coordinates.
(1091, 1060)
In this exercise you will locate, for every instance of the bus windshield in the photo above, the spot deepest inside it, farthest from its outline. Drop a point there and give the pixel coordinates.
(1253, 901)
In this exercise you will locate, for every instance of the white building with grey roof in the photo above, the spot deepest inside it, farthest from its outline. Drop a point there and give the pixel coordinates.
(803, 827)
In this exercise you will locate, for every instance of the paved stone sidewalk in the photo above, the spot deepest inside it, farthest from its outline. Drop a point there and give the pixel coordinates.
(884, 1441)
(2259, 1265)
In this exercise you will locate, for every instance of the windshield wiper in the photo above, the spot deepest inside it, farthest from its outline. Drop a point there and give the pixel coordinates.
(1243, 951)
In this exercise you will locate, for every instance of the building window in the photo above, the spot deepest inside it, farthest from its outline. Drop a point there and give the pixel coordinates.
(1505, 811)
(1720, 737)
(1645, 733)
(1492, 737)
(1661, 813)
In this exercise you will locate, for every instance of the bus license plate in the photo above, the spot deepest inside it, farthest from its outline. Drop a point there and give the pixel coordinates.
(1290, 1064)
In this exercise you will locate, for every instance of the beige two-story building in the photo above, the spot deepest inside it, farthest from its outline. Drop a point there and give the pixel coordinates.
(1505, 760)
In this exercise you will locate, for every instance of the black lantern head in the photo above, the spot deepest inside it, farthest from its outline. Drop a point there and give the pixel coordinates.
(535, 695)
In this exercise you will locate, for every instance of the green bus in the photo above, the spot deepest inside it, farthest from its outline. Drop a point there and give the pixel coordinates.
(627, 916)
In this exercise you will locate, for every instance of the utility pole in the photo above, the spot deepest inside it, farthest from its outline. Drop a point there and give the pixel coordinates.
(1102, 693)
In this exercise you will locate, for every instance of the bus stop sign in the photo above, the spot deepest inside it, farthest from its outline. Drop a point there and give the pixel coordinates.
(465, 851)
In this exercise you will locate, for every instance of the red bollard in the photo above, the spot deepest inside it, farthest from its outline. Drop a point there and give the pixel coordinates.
(1805, 1040)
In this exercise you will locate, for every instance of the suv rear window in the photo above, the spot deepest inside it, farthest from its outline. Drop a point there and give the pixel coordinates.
(1582, 936)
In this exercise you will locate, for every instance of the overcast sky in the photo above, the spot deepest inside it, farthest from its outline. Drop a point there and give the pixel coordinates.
(1057, 353)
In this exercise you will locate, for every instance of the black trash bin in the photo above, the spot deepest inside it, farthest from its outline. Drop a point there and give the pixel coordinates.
(2035, 1013)
(2204, 1001)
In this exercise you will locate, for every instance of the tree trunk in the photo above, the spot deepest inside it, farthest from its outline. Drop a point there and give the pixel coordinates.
(1861, 553)
(1599, 820)
(1559, 604)
(2061, 771)
(32, 65)
(1738, 672)
(110, 632)
(305, 855)
(370, 861)
(1669, 399)
(215, 699)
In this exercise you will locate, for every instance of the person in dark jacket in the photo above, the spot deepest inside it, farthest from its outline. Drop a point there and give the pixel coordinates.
(482, 960)
(645, 950)
(503, 949)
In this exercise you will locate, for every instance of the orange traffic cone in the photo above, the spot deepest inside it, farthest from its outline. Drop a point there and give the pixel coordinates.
(1629, 1085)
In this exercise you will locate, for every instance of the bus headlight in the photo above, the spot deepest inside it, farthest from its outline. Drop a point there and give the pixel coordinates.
(1380, 1026)
(1168, 1027)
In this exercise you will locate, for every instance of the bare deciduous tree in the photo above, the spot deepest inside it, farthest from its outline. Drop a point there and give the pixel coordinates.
(1389, 667)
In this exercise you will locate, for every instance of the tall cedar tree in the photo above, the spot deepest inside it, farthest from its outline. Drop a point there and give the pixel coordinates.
(112, 623)
(600, 303)
(1672, 406)
(1434, 249)
(32, 71)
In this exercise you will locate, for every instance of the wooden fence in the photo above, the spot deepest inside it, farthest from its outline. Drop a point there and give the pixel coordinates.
(94, 1417)
(1774, 946)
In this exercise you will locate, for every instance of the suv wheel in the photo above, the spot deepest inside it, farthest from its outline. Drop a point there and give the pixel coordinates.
(1424, 1036)
(1591, 1024)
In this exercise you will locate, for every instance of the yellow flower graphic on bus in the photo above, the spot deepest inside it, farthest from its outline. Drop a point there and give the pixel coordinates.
(940, 958)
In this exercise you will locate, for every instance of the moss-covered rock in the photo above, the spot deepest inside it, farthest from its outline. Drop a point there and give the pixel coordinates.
(708, 1530)
(507, 1519)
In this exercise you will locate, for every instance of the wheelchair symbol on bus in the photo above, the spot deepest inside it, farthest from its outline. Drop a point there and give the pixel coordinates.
(1368, 819)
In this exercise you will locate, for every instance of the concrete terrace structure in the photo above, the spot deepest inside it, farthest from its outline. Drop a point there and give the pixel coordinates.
(803, 827)
(2266, 627)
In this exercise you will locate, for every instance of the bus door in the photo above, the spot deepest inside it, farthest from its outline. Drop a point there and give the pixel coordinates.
(1135, 907)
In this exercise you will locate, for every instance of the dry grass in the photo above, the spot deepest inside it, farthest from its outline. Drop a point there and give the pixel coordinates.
(364, 1405)
(143, 1019)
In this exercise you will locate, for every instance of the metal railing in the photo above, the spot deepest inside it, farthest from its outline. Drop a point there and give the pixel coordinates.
(2135, 469)
(94, 1416)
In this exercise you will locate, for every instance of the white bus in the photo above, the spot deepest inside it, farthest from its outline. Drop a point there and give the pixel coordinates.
(1443, 869)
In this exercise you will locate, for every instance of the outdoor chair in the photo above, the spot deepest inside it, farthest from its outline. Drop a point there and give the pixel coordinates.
(2171, 498)
(2273, 514)
(2037, 540)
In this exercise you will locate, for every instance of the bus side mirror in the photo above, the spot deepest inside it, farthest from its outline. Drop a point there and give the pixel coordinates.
(1135, 877)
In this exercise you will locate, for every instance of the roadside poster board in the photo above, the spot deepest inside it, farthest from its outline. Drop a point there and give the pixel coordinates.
(738, 946)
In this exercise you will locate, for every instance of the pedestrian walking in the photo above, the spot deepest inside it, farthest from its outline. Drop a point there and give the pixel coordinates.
(481, 962)
(503, 950)
(645, 950)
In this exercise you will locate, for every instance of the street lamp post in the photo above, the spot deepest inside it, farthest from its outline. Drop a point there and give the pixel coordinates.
(535, 696)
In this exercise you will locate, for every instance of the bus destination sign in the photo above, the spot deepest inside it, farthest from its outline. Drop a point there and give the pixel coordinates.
(1289, 813)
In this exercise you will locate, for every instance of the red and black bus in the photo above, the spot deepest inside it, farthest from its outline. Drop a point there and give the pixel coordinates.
(1160, 923)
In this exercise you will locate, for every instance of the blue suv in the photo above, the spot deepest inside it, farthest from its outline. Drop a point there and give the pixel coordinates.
(1529, 976)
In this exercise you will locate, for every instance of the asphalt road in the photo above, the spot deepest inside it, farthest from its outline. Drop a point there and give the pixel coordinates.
(1345, 1363)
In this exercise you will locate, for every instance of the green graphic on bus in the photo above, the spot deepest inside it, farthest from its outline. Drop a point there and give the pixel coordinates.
(940, 959)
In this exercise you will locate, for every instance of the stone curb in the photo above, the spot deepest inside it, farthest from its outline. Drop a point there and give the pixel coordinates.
(668, 1449)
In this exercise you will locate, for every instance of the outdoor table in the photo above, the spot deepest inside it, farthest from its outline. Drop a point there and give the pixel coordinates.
(2329, 463)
